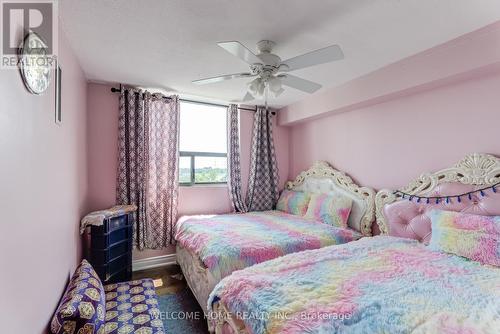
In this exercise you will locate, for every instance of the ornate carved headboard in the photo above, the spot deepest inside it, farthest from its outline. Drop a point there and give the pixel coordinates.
(406, 217)
(322, 178)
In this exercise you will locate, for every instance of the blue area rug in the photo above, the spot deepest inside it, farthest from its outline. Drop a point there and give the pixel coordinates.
(181, 313)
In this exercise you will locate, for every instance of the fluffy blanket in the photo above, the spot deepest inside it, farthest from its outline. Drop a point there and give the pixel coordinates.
(374, 285)
(226, 243)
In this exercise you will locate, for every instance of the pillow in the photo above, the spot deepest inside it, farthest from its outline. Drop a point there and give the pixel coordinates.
(294, 202)
(472, 236)
(329, 209)
(82, 307)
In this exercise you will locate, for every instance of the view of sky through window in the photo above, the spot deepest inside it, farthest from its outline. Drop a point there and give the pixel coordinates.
(203, 128)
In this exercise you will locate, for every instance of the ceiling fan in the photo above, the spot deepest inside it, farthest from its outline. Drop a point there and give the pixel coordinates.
(270, 71)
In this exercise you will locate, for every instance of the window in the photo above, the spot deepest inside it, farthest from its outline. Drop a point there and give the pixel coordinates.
(202, 144)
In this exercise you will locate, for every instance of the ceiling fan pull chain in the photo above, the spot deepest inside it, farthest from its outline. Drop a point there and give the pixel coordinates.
(266, 91)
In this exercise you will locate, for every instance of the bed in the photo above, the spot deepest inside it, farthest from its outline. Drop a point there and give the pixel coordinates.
(392, 283)
(404, 218)
(205, 259)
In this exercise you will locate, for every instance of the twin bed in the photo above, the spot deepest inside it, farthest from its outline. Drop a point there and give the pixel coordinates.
(392, 283)
(210, 248)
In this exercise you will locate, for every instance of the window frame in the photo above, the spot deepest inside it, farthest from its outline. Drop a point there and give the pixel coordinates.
(193, 155)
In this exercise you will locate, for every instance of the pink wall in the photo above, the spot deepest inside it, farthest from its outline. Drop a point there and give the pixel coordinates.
(389, 144)
(102, 133)
(419, 114)
(43, 192)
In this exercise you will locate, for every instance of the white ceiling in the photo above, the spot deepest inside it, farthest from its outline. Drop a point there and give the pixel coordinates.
(167, 44)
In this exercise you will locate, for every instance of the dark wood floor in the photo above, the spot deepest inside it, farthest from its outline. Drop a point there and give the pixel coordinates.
(166, 278)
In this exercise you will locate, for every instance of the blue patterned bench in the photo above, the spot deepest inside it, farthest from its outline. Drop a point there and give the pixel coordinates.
(88, 307)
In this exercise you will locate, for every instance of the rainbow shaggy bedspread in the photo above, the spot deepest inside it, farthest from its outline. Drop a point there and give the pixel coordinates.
(226, 243)
(374, 285)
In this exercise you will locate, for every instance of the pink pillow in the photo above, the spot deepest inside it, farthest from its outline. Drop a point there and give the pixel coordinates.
(329, 209)
(472, 236)
(293, 202)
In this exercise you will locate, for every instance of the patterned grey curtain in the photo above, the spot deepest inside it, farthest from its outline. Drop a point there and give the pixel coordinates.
(233, 160)
(264, 179)
(148, 155)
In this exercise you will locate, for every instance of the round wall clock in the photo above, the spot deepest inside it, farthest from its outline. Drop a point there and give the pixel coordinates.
(34, 64)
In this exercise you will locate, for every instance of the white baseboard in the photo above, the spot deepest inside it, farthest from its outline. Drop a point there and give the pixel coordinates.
(154, 262)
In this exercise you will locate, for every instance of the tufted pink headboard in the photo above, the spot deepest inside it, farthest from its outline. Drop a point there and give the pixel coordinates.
(404, 218)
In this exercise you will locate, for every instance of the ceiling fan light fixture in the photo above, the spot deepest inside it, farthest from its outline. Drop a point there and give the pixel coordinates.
(261, 89)
(253, 86)
(275, 85)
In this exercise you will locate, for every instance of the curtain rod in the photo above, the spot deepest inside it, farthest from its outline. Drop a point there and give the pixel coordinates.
(117, 90)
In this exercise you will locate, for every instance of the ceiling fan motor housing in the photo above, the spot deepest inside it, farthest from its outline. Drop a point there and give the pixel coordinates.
(265, 46)
(270, 62)
(269, 59)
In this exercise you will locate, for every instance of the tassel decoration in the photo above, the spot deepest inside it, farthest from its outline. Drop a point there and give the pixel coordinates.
(481, 192)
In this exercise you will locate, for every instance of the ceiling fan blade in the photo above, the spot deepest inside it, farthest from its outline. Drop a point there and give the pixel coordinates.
(239, 50)
(222, 78)
(321, 56)
(299, 83)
